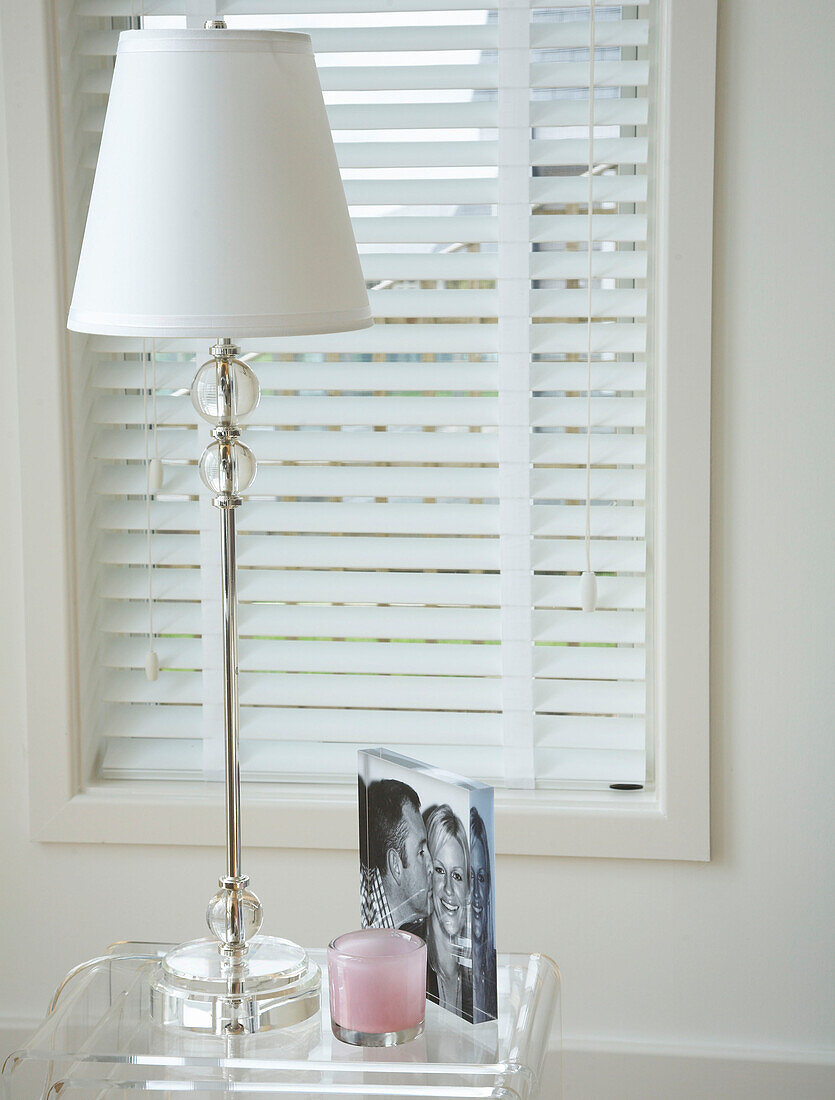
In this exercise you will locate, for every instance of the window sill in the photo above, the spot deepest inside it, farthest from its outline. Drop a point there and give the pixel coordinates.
(603, 824)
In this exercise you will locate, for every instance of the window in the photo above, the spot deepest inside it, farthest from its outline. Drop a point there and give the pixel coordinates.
(410, 551)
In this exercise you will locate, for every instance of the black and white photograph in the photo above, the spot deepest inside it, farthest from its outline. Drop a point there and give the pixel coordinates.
(427, 866)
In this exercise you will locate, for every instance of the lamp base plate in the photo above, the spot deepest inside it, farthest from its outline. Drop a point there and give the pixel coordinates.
(196, 988)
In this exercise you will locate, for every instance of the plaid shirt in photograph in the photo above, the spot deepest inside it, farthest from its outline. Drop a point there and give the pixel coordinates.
(375, 907)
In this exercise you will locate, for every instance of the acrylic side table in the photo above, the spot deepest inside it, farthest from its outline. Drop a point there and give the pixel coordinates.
(98, 1042)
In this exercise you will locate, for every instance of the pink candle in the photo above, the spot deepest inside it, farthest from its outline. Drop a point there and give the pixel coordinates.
(377, 980)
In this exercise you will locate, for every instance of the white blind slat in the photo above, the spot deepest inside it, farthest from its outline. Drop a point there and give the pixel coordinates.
(403, 692)
(602, 662)
(435, 519)
(395, 78)
(266, 760)
(609, 187)
(394, 378)
(455, 446)
(306, 586)
(559, 35)
(391, 482)
(624, 412)
(385, 39)
(268, 654)
(369, 552)
(297, 621)
(398, 692)
(446, 339)
(424, 230)
(574, 74)
(574, 112)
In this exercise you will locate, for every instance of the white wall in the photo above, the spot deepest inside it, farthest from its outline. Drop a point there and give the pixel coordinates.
(734, 953)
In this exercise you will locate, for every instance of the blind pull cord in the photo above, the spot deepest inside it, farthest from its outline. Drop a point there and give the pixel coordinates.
(588, 581)
(151, 658)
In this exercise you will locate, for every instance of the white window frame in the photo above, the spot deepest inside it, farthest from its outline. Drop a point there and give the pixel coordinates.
(671, 821)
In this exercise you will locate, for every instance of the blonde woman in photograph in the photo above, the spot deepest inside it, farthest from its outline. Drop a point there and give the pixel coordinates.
(449, 956)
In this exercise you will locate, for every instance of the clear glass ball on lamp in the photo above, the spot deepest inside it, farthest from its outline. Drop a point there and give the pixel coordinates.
(243, 384)
(228, 467)
(220, 918)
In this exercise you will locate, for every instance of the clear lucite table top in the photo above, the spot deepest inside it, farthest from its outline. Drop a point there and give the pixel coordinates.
(99, 1043)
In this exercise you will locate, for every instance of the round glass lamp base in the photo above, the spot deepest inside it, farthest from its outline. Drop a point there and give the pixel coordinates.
(196, 988)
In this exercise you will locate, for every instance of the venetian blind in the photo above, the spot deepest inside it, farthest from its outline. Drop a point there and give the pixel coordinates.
(410, 551)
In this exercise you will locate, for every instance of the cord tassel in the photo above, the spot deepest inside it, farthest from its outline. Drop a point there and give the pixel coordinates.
(155, 475)
(588, 591)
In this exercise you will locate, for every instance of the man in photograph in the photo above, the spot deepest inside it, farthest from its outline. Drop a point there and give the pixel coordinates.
(395, 888)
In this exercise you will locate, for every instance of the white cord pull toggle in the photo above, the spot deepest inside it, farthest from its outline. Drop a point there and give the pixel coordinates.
(156, 474)
(152, 664)
(588, 592)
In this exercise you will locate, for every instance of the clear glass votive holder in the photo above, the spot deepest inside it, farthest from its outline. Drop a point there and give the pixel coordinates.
(377, 979)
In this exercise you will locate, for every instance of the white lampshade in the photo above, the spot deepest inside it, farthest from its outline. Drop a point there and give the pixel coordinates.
(217, 207)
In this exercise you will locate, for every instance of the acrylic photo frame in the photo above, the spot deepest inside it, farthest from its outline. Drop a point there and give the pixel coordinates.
(427, 864)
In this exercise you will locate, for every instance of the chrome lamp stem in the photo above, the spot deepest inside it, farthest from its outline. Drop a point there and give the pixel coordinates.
(230, 690)
(228, 468)
(226, 501)
(239, 982)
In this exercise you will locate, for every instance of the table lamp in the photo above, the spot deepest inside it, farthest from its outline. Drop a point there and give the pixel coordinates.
(217, 207)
